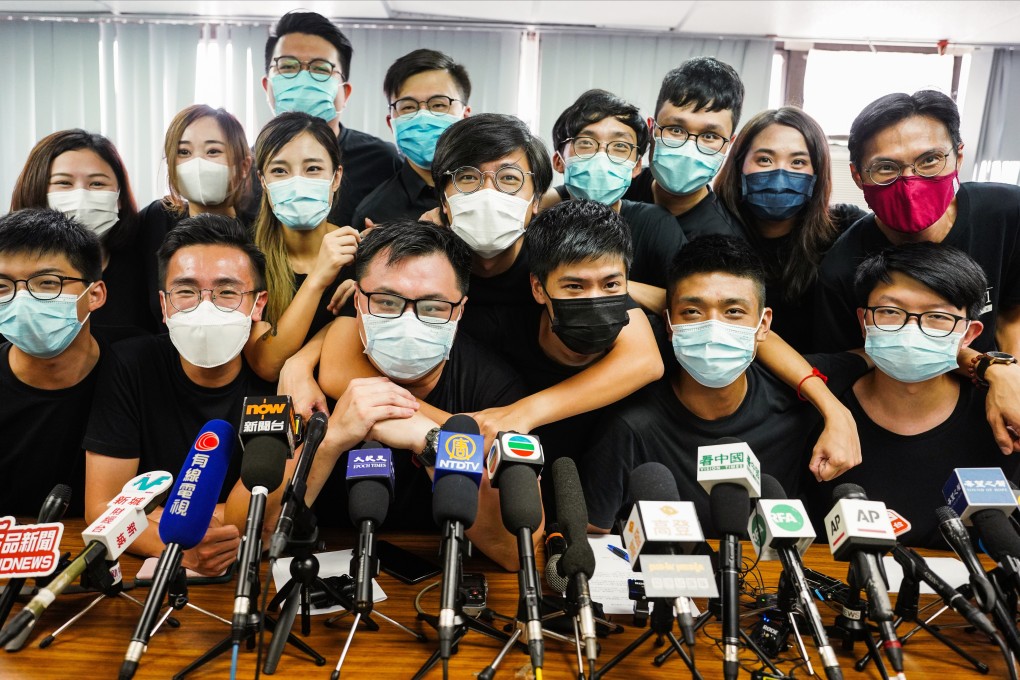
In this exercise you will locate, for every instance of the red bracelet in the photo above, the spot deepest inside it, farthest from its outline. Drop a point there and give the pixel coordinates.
(815, 373)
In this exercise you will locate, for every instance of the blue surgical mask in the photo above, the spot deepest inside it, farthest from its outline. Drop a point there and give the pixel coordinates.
(300, 203)
(306, 94)
(405, 348)
(41, 328)
(776, 195)
(684, 169)
(713, 352)
(910, 356)
(417, 135)
(597, 178)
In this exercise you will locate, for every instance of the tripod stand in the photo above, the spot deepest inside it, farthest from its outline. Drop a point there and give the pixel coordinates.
(851, 626)
(561, 607)
(661, 626)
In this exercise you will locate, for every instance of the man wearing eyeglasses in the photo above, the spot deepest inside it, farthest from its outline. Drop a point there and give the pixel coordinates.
(158, 391)
(426, 92)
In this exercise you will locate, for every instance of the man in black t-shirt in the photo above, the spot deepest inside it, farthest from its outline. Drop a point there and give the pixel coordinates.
(156, 393)
(50, 271)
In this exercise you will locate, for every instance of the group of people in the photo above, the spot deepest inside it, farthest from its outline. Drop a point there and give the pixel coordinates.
(689, 281)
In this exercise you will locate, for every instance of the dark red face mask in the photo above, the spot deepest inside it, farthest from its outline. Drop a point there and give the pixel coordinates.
(912, 204)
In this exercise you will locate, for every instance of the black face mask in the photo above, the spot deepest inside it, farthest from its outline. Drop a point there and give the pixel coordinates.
(589, 325)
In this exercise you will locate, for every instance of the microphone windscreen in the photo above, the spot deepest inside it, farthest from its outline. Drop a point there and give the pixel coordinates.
(455, 499)
(945, 513)
(461, 423)
(55, 505)
(520, 504)
(576, 561)
(771, 488)
(848, 490)
(369, 499)
(997, 534)
(651, 482)
(730, 507)
(263, 463)
(573, 517)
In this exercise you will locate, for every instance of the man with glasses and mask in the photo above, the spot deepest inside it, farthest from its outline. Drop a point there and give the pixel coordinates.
(157, 392)
(50, 271)
(426, 92)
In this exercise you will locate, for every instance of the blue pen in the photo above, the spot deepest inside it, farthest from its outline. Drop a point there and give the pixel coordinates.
(619, 552)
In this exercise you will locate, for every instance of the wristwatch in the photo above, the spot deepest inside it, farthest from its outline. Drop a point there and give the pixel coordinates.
(427, 457)
(986, 360)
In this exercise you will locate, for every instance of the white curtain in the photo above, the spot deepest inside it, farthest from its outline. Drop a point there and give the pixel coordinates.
(997, 152)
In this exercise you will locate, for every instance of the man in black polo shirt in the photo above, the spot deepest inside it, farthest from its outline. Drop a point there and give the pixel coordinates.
(427, 92)
(156, 392)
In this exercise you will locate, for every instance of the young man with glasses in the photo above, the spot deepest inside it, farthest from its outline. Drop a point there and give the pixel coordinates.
(157, 392)
(50, 271)
(426, 92)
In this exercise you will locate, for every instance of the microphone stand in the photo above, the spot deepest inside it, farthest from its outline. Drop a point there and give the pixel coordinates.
(568, 606)
(851, 625)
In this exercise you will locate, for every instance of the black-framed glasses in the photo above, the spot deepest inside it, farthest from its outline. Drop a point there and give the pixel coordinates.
(509, 179)
(40, 286)
(391, 306)
(708, 143)
(928, 165)
(319, 69)
(185, 298)
(933, 324)
(587, 147)
(409, 106)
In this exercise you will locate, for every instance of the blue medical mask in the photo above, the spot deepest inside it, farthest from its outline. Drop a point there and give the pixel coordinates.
(41, 328)
(306, 94)
(597, 178)
(417, 135)
(910, 356)
(713, 352)
(300, 203)
(684, 169)
(777, 194)
(405, 348)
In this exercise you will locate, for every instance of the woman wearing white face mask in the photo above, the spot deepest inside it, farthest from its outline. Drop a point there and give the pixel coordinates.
(82, 175)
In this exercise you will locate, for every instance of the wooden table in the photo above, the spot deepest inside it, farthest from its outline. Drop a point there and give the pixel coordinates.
(94, 647)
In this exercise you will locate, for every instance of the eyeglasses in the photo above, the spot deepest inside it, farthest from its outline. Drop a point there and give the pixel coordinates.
(391, 306)
(932, 324)
(708, 143)
(928, 164)
(318, 69)
(508, 179)
(587, 147)
(185, 298)
(40, 286)
(409, 106)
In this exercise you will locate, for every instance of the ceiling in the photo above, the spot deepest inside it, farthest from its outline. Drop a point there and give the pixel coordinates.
(974, 22)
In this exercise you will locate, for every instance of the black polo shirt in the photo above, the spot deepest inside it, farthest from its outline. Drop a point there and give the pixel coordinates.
(405, 195)
(368, 162)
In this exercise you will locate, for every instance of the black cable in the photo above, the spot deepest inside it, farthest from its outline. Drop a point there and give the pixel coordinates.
(262, 619)
(1007, 655)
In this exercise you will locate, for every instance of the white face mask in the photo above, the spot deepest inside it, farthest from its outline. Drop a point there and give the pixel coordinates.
(714, 353)
(489, 221)
(97, 210)
(202, 181)
(405, 348)
(209, 337)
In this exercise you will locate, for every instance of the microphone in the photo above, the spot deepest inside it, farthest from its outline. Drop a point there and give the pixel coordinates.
(958, 538)
(555, 545)
(859, 531)
(971, 490)
(780, 529)
(269, 418)
(514, 463)
(294, 496)
(183, 525)
(370, 487)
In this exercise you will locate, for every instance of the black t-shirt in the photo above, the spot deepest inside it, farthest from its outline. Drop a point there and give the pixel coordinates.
(792, 320)
(987, 227)
(908, 472)
(126, 312)
(155, 221)
(322, 315)
(42, 432)
(709, 216)
(405, 195)
(656, 238)
(147, 408)
(368, 162)
(653, 425)
(473, 379)
(511, 288)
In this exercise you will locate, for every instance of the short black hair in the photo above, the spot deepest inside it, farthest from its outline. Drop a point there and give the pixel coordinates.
(950, 272)
(596, 105)
(485, 138)
(422, 61)
(705, 82)
(406, 238)
(576, 231)
(716, 253)
(41, 231)
(311, 23)
(211, 230)
(889, 110)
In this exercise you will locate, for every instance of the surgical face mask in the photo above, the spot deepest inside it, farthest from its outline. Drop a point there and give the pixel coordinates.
(589, 325)
(417, 135)
(910, 356)
(304, 93)
(684, 169)
(597, 178)
(713, 352)
(405, 348)
(202, 181)
(41, 328)
(209, 337)
(300, 202)
(776, 195)
(97, 210)
(489, 221)
(912, 204)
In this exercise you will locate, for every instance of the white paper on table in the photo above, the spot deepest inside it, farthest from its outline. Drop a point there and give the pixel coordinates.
(608, 584)
(953, 571)
(335, 563)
